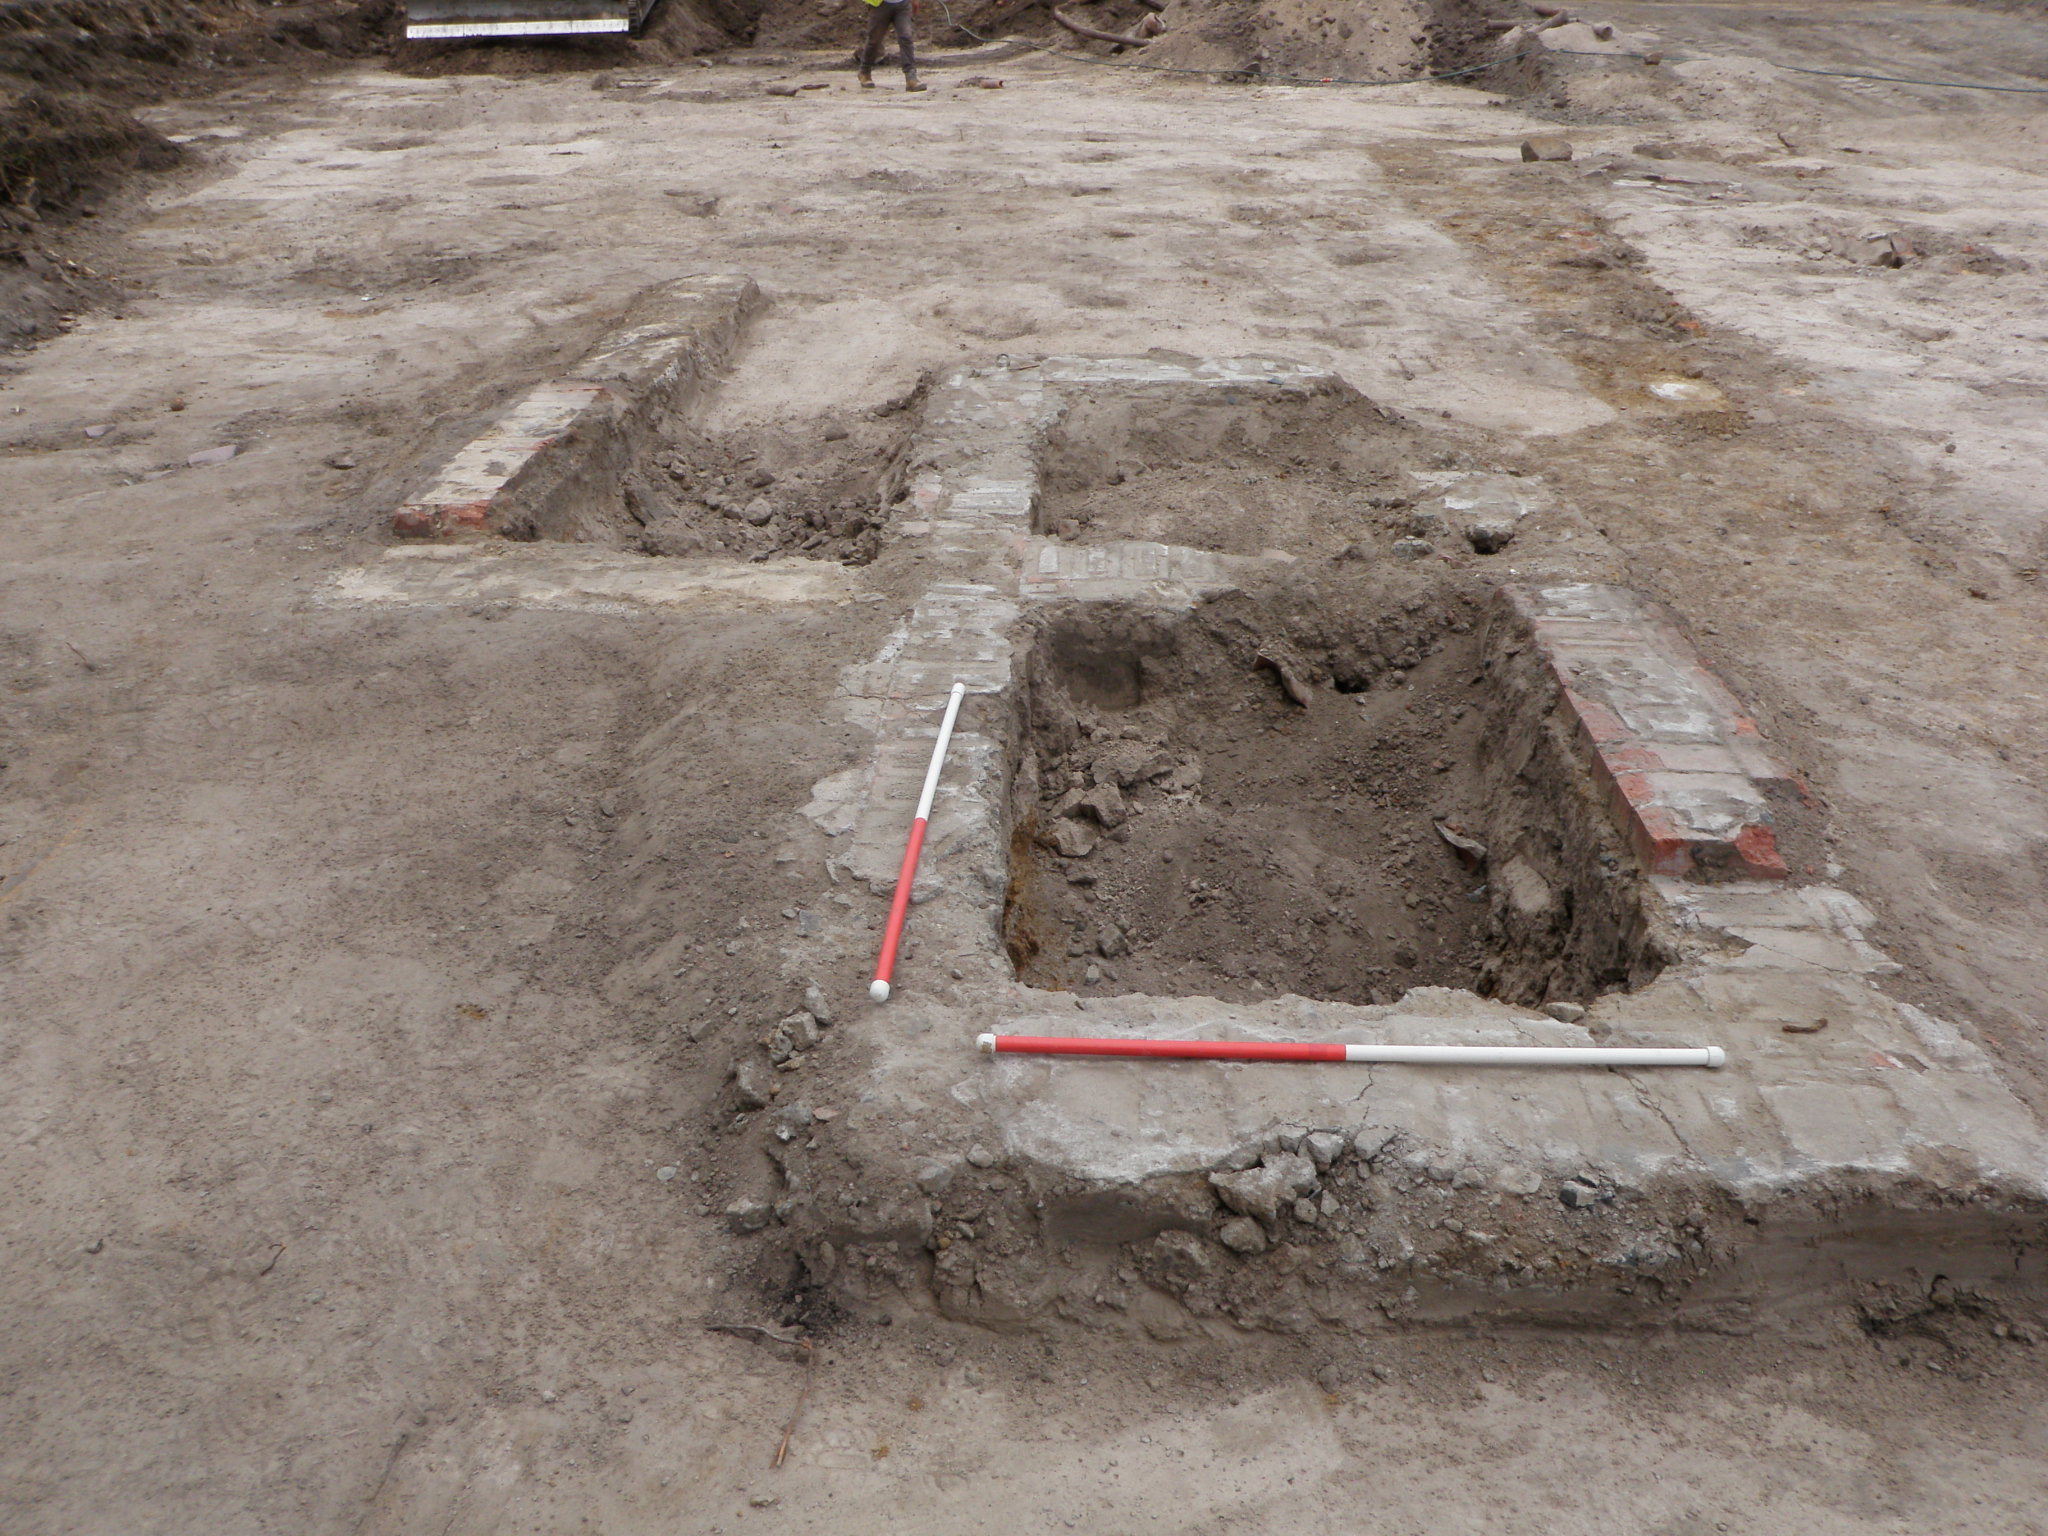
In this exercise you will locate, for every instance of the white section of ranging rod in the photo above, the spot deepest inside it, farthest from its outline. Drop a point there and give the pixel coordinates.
(1541, 1055)
(1337, 1051)
(931, 774)
(885, 967)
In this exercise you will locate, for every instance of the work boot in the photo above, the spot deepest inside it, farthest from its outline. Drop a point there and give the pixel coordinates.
(867, 81)
(912, 83)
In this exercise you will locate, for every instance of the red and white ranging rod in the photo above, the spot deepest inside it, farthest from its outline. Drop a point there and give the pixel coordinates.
(892, 932)
(1330, 1050)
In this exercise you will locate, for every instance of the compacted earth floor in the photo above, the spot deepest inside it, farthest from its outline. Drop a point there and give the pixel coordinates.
(371, 970)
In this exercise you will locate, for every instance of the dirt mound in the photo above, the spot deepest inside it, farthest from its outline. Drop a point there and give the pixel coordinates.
(38, 287)
(1383, 40)
(69, 72)
(56, 149)
(141, 50)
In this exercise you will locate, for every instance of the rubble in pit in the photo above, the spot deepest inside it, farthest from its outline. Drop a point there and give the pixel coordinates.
(1341, 792)
(821, 488)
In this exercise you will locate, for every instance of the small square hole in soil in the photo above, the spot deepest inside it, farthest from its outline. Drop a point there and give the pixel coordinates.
(818, 487)
(1307, 471)
(1339, 793)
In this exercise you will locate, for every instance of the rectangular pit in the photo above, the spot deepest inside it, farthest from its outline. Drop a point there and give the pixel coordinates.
(820, 487)
(1244, 800)
(612, 453)
(1315, 469)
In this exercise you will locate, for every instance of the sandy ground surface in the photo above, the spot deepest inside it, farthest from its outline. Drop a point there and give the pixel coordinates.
(364, 967)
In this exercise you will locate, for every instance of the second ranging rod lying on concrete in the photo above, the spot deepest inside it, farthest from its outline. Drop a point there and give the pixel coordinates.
(885, 967)
(1330, 1050)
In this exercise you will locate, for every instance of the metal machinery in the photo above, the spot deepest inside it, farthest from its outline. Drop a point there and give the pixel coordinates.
(435, 20)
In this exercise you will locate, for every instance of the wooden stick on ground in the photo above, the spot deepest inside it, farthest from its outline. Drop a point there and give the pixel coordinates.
(753, 1330)
(789, 1429)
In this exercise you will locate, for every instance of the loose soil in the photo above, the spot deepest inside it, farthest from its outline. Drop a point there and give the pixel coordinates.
(1318, 475)
(1196, 830)
(823, 487)
(1251, 799)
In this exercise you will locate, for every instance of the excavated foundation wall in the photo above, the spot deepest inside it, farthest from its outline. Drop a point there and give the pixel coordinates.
(1357, 1226)
(1319, 1229)
(611, 453)
(1569, 913)
(1850, 1147)
(820, 487)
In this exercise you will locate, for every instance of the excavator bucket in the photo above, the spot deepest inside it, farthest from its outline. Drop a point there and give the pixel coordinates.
(437, 20)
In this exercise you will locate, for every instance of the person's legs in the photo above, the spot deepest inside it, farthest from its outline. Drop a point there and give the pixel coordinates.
(871, 46)
(904, 32)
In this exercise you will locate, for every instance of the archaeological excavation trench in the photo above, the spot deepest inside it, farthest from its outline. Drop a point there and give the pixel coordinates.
(819, 487)
(1331, 794)
(1268, 741)
(1238, 472)
(1288, 719)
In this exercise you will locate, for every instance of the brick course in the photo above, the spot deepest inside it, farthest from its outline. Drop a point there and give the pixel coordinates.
(1682, 761)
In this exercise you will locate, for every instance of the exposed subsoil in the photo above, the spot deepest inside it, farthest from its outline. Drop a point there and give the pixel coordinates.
(1316, 476)
(821, 487)
(1191, 827)
(70, 70)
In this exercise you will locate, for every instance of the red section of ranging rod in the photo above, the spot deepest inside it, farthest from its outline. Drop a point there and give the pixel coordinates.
(892, 933)
(1218, 1050)
(899, 908)
(1412, 1055)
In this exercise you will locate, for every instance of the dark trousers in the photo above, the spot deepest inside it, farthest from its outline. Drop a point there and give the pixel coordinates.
(890, 13)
